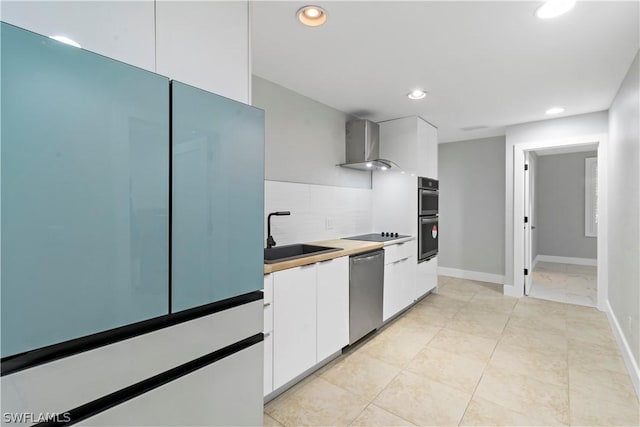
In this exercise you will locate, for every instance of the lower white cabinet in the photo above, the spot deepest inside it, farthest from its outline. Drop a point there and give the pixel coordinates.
(426, 277)
(310, 317)
(332, 306)
(294, 323)
(268, 333)
(399, 286)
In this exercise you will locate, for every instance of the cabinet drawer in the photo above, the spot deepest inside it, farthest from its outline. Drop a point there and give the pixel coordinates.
(393, 253)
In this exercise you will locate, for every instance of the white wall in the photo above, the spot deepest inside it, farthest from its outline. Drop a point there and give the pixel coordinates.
(305, 140)
(560, 201)
(624, 210)
(318, 212)
(471, 205)
(552, 129)
(204, 44)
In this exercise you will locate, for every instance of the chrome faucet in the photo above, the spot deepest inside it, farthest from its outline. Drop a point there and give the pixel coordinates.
(270, 242)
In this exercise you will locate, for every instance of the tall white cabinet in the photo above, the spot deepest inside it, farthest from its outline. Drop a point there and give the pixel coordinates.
(412, 143)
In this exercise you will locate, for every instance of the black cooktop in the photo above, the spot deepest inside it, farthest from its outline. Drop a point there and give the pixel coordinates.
(377, 237)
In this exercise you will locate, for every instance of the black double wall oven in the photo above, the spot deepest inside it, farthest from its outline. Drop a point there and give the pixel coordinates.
(427, 218)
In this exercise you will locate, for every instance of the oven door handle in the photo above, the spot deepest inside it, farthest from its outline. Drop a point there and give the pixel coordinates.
(426, 190)
(428, 220)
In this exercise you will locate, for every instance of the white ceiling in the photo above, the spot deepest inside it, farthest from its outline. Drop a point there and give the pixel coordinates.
(482, 63)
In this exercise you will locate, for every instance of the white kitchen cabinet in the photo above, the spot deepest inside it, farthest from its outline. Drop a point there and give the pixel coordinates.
(426, 277)
(332, 306)
(427, 150)
(205, 44)
(294, 323)
(268, 363)
(123, 30)
(268, 333)
(399, 278)
(412, 143)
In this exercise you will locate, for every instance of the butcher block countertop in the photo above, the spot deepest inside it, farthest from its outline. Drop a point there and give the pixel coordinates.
(349, 247)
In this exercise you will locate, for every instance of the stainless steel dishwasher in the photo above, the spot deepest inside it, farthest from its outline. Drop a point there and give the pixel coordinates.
(366, 281)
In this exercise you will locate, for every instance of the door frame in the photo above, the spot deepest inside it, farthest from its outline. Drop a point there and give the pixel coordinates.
(601, 139)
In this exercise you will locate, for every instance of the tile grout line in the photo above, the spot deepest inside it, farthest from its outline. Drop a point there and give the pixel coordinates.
(483, 371)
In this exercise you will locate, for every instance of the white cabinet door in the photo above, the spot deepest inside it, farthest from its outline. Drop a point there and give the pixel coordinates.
(123, 30)
(268, 333)
(205, 44)
(268, 363)
(399, 287)
(392, 294)
(426, 277)
(225, 393)
(333, 306)
(427, 150)
(294, 323)
(407, 281)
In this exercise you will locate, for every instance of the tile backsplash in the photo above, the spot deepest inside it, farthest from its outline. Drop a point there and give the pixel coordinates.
(318, 212)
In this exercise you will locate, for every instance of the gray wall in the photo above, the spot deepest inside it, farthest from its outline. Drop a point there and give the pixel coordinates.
(544, 130)
(560, 198)
(304, 139)
(472, 205)
(624, 207)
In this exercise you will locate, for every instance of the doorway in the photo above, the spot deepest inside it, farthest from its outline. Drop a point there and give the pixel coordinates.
(523, 261)
(560, 229)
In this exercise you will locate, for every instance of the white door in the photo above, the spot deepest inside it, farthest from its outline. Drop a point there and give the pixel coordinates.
(527, 224)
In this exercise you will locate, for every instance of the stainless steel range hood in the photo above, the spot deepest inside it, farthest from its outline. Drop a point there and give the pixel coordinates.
(363, 147)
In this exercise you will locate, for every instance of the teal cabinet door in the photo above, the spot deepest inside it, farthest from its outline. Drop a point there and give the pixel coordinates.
(217, 199)
(85, 187)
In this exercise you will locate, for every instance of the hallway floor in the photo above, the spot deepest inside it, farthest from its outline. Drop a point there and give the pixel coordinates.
(471, 356)
(573, 284)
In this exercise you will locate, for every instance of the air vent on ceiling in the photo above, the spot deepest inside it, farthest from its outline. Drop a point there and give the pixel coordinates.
(470, 128)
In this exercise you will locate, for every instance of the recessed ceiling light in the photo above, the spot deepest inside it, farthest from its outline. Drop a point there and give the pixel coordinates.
(417, 94)
(384, 168)
(553, 8)
(369, 165)
(555, 110)
(312, 16)
(66, 40)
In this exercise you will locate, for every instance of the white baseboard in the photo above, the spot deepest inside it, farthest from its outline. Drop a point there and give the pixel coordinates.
(566, 260)
(535, 261)
(627, 355)
(471, 275)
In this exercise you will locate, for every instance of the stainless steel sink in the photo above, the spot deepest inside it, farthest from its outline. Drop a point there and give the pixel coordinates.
(289, 252)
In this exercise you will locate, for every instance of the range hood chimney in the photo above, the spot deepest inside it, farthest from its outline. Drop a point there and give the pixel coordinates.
(363, 147)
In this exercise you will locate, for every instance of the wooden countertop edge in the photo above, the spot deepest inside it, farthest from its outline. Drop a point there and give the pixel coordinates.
(348, 247)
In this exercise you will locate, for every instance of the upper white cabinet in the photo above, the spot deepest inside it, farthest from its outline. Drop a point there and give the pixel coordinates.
(205, 44)
(202, 43)
(412, 143)
(123, 30)
(332, 306)
(427, 150)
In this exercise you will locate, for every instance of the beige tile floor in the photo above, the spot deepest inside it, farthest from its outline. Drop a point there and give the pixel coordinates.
(470, 356)
(573, 284)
